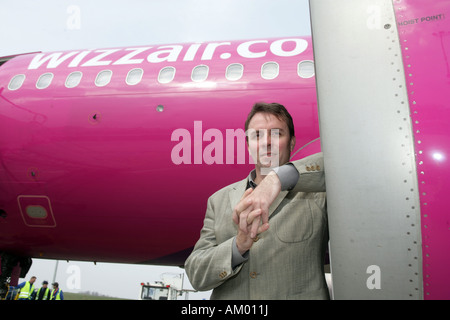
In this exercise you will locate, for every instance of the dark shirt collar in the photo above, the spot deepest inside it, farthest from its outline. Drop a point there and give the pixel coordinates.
(251, 179)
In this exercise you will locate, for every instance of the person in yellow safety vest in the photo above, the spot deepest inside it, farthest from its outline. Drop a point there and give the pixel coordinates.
(26, 289)
(57, 293)
(43, 292)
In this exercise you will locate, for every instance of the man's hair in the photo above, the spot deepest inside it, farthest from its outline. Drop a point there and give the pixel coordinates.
(275, 109)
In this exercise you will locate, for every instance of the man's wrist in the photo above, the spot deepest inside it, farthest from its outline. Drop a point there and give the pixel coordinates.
(239, 254)
(274, 180)
(287, 176)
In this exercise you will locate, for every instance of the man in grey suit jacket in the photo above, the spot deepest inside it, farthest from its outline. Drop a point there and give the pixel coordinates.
(238, 254)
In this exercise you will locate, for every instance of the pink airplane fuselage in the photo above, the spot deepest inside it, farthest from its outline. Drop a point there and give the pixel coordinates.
(92, 170)
(424, 34)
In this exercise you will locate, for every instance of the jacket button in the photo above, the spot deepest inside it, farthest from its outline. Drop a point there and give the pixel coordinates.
(223, 275)
(253, 275)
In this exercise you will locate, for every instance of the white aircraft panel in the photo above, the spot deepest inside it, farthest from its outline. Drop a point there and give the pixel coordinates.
(366, 136)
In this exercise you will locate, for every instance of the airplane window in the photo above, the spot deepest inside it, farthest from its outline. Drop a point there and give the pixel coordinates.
(73, 79)
(200, 73)
(103, 78)
(16, 82)
(270, 70)
(234, 71)
(134, 76)
(306, 69)
(44, 80)
(166, 75)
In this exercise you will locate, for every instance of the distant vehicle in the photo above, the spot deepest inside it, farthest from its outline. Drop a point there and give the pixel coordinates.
(167, 289)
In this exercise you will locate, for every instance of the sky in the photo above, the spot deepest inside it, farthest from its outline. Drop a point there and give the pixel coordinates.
(55, 25)
(50, 25)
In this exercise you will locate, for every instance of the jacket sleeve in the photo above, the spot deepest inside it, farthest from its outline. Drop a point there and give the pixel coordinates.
(209, 264)
(20, 286)
(311, 174)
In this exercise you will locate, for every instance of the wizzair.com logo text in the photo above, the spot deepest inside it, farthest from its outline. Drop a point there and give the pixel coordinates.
(234, 146)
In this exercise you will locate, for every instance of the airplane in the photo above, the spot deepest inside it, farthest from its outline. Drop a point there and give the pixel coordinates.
(91, 169)
(110, 154)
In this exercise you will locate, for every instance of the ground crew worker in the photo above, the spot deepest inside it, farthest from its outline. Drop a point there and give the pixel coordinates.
(43, 292)
(26, 289)
(57, 293)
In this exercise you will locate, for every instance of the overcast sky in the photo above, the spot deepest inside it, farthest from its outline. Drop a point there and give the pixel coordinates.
(50, 25)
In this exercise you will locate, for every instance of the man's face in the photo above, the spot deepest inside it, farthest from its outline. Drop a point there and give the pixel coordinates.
(269, 142)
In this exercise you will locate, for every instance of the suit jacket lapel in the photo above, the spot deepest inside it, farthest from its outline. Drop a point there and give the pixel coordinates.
(237, 192)
(277, 202)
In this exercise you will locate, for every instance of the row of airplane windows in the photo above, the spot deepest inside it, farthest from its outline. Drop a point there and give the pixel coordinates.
(234, 72)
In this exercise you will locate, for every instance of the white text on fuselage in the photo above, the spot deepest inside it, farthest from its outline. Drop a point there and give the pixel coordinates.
(170, 53)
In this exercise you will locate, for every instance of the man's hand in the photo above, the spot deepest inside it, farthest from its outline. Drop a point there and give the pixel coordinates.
(254, 208)
(244, 240)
